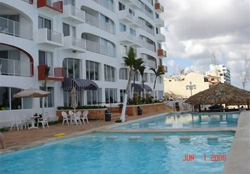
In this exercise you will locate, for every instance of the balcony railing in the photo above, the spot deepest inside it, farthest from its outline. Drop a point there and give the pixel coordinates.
(159, 8)
(14, 28)
(52, 4)
(105, 4)
(15, 68)
(53, 36)
(98, 48)
(147, 29)
(29, 1)
(161, 53)
(55, 73)
(72, 10)
(149, 46)
(91, 20)
(146, 12)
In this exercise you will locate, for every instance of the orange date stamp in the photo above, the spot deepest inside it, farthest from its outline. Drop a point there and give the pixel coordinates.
(214, 157)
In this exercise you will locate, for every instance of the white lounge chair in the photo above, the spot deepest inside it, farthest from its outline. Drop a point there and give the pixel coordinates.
(65, 118)
(84, 116)
(43, 120)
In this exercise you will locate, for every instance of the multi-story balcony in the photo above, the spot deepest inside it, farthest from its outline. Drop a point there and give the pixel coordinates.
(148, 29)
(126, 17)
(14, 28)
(147, 13)
(15, 68)
(107, 5)
(149, 46)
(127, 38)
(93, 21)
(99, 48)
(75, 44)
(159, 22)
(73, 14)
(160, 37)
(159, 8)
(51, 6)
(55, 74)
(29, 1)
(46, 36)
(161, 53)
(134, 4)
(163, 68)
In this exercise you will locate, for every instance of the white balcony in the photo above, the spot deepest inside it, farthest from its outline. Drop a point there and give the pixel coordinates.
(15, 29)
(127, 38)
(108, 6)
(159, 22)
(29, 1)
(93, 21)
(75, 44)
(159, 8)
(160, 37)
(135, 4)
(98, 48)
(46, 36)
(148, 46)
(126, 17)
(12, 67)
(73, 14)
(147, 29)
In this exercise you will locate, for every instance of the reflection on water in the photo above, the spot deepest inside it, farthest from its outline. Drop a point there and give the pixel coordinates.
(187, 121)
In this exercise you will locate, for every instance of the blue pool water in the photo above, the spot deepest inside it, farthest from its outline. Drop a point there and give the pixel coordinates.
(186, 120)
(121, 156)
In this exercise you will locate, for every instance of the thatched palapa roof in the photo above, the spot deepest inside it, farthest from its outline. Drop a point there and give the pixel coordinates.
(222, 93)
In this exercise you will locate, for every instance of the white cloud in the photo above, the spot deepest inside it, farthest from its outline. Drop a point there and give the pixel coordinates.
(196, 29)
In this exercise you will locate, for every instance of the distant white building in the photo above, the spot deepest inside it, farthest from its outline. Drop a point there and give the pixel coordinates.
(220, 71)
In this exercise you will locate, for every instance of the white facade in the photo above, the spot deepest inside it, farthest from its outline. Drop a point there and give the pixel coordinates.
(88, 39)
(177, 85)
(220, 71)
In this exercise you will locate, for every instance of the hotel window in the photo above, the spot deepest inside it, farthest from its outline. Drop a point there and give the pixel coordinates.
(94, 96)
(92, 70)
(132, 32)
(121, 6)
(137, 76)
(108, 23)
(48, 101)
(152, 77)
(111, 95)
(159, 80)
(46, 58)
(67, 98)
(71, 68)
(107, 47)
(123, 49)
(109, 73)
(69, 30)
(131, 12)
(8, 102)
(44, 23)
(123, 74)
(145, 77)
(122, 94)
(122, 27)
(66, 2)
(160, 95)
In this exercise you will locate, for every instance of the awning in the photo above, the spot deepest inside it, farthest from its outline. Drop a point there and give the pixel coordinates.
(139, 87)
(85, 84)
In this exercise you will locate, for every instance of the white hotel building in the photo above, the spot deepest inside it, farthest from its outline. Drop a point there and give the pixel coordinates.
(81, 41)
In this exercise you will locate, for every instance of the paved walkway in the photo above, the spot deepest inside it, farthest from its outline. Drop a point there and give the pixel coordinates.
(25, 137)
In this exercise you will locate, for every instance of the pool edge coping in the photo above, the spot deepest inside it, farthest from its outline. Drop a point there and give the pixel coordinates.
(239, 156)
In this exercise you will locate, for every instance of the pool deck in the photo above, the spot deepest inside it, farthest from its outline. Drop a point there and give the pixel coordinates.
(24, 139)
(238, 161)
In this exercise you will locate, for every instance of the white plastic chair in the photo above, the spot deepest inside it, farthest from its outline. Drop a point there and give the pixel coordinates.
(44, 120)
(65, 118)
(85, 116)
(75, 117)
(16, 123)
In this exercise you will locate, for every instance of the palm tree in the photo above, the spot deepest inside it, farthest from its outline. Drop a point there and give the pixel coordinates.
(158, 72)
(141, 71)
(129, 61)
(137, 64)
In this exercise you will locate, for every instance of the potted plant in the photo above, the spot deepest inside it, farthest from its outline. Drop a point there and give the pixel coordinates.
(120, 107)
(177, 107)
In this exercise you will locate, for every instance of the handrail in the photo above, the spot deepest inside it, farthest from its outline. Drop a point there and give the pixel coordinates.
(105, 4)
(15, 67)
(15, 28)
(98, 48)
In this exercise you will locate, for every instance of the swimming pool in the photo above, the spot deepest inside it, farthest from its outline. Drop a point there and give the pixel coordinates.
(186, 120)
(94, 153)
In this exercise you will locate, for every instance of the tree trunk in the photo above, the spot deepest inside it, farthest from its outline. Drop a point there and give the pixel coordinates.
(126, 96)
(154, 87)
(143, 93)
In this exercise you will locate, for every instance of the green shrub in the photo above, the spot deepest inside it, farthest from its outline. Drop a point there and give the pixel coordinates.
(136, 98)
(81, 107)
(148, 98)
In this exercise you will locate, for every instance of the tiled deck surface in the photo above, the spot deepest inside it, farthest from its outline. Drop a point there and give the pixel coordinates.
(26, 137)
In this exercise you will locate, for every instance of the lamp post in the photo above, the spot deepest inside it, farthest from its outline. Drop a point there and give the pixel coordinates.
(190, 87)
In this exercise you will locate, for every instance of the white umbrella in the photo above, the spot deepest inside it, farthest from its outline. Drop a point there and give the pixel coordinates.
(73, 98)
(32, 93)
